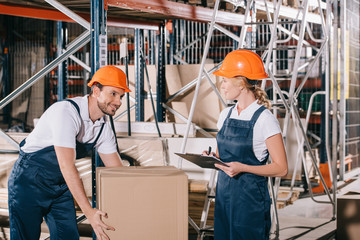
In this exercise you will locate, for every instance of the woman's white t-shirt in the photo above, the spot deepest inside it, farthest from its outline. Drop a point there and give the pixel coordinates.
(266, 126)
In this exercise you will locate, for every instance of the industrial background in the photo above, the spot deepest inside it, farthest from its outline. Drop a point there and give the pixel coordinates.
(50, 49)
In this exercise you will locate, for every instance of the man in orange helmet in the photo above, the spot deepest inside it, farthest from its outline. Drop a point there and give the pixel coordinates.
(44, 180)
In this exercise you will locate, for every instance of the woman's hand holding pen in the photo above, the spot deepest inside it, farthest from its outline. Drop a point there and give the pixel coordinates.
(209, 153)
(233, 169)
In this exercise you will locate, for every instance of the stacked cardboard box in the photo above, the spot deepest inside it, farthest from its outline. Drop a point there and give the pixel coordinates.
(144, 202)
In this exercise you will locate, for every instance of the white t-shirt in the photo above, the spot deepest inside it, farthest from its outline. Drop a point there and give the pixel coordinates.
(61, 124)
(266, 126)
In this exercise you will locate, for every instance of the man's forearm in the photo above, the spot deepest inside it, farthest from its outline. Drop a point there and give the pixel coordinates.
(66, 158)
(111, 160)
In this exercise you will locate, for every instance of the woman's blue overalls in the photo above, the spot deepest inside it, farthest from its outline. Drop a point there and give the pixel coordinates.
(242, 205)
(37, 189)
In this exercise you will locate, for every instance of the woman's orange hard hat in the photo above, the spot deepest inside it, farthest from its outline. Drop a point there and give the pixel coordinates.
(242, 63)
(110, 76)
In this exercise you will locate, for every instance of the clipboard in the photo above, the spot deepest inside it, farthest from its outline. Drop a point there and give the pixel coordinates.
(203, 161)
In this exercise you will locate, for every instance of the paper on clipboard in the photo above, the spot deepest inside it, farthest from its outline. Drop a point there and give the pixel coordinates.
(203, 161)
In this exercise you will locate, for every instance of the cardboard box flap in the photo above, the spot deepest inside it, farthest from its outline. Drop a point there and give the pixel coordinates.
(136, 171)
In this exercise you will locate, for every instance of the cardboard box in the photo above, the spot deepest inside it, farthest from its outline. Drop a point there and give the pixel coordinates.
(144, 202)
(348, 217)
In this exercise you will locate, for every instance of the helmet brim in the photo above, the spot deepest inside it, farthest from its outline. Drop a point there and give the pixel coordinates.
(228, 74)
(126, 89)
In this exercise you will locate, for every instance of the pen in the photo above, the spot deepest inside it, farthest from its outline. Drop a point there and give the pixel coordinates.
(209, 150)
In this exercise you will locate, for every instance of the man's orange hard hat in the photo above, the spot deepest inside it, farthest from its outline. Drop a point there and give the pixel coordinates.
(242, 63)
(110, 76)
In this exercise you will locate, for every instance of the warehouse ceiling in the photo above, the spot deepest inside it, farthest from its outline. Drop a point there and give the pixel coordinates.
(149, 12)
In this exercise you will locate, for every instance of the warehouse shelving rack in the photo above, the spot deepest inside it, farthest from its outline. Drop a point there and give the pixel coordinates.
(268, 7)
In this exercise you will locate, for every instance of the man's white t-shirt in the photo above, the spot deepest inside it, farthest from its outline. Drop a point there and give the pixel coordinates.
(266, 126)
(61, 124)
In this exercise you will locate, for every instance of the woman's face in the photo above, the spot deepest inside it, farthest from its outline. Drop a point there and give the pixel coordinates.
(232, 91)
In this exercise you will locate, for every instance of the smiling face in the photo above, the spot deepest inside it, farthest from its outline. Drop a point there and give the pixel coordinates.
(232, 88)
(109, 99)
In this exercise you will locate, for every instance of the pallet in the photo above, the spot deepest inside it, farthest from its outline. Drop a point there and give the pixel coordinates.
(284, 192)
(197, 195)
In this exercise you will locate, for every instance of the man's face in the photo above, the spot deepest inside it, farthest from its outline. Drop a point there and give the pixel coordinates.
(109, 99)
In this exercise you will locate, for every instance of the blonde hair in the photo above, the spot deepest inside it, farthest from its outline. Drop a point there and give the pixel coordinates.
(259, 93)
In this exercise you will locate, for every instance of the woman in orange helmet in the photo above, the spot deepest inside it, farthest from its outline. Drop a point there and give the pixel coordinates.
(44, 180)
(248, 134)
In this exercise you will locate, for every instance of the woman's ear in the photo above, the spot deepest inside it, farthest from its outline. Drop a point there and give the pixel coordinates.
(242, 85)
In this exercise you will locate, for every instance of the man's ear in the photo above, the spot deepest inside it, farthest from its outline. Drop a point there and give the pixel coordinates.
(96, 91)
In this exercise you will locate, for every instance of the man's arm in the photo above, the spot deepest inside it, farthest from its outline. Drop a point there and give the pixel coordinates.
(111, 160)
(66, 159)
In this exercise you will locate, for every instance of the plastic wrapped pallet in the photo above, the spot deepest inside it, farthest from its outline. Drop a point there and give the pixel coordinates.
(144, 202)
(146, 151)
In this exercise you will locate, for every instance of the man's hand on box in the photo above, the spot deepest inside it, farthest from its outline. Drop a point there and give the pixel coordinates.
(95, 219)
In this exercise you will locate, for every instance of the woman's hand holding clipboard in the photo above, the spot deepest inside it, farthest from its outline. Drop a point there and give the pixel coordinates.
(204, 161)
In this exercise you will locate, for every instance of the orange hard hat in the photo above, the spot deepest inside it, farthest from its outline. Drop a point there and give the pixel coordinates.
(110, 76)
(242, 63)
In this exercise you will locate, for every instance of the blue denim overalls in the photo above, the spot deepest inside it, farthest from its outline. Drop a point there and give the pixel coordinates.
(37, 189)
(242, 204)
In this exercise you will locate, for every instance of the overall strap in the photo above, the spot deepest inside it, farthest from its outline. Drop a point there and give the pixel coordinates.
(78, 110)
(22, 143)
(257, 114)
(75, 105)
(102, 127)
(230, 111)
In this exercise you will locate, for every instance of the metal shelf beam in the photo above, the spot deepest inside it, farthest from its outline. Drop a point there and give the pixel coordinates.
(169, 9)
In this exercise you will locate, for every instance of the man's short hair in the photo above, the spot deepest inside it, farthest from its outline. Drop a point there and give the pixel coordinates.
(99, 85)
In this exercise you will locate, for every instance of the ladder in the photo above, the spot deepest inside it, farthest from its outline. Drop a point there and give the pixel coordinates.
(205, 230)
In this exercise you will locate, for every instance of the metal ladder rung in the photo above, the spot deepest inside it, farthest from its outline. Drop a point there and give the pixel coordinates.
(269, 23)
(283, 76)
(236, 3)
(285, 47)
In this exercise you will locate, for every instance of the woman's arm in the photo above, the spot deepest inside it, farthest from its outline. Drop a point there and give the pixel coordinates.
(277, 168)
